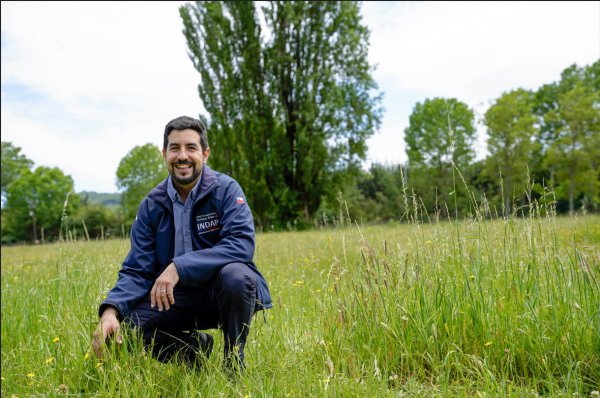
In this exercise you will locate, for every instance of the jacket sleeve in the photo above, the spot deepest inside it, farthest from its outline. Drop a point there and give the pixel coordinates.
(236, 244)
(136, 276)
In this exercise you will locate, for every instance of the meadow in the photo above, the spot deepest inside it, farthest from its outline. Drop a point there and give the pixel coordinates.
(477, 308)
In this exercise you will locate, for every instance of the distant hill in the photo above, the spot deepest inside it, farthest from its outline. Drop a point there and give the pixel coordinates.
(105, 199)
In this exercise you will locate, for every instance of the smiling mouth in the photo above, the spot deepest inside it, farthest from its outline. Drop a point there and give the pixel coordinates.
(183, 166)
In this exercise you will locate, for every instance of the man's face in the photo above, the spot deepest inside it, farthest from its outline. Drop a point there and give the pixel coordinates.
(184, 156)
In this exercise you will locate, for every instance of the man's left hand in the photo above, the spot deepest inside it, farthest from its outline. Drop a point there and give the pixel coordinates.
(162, 291)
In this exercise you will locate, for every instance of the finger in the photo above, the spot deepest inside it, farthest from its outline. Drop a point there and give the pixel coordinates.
(97, 348)
(152, 300)
(164, 299)
(118, 336)
(167, 300)
(171, 296)
(97, 344)
(159, 300)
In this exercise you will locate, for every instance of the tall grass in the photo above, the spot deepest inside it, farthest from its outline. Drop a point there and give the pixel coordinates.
(474, 308)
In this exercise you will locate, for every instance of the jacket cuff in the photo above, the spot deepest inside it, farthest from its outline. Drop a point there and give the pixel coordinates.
(104, 306)
(183, 277)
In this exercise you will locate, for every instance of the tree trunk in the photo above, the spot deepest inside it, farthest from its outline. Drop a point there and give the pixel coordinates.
(34, 229)
(571, 192)
(507, 198)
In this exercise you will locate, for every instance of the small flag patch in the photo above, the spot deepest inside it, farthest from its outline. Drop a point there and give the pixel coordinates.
(240, 200)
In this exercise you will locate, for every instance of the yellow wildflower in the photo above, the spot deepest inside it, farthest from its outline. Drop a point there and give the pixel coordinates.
(86, 356)
(49, 360)
(489, 343)
(56, 340)
(31, 375)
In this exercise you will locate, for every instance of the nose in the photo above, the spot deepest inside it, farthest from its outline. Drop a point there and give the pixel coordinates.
(182, 154)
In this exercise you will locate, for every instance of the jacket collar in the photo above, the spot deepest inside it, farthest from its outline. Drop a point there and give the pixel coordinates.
(208, 182)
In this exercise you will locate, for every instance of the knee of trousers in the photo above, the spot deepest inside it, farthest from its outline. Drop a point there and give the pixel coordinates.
(237, 281)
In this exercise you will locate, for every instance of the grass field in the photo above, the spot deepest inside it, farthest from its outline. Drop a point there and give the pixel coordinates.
(473, 309)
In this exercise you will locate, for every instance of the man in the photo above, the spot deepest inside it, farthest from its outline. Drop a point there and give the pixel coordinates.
(190, 265)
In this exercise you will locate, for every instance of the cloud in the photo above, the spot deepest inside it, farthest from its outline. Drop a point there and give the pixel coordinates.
(472, 51)
(103, 77)
(97, 53)
(474, 48)
(85, 82)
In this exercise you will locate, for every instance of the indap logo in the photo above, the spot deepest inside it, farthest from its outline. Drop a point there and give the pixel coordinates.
(207, 223)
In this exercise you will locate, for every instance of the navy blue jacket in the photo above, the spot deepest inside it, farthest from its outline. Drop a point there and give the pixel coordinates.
(222, 233)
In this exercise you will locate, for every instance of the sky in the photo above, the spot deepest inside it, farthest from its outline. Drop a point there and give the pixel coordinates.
(84, 82)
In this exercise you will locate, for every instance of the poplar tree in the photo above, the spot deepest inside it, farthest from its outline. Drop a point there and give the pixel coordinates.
(290, 108)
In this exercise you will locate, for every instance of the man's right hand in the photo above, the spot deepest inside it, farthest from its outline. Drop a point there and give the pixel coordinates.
(108, 325)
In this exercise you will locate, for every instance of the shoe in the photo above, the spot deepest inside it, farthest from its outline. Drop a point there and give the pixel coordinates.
(202, 342)
(198, 348)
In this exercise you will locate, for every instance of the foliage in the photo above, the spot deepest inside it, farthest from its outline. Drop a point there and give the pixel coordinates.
(439, 140)
(511, 128)
(381, 197)
(38, 205)
(97, 221)
(289, 114)
(138, 173)
(572, 151)
(13, 165)
(571, 156)
(105, 199)
(440, 132)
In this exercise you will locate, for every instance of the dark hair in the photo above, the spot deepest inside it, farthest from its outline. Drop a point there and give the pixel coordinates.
(184, 123)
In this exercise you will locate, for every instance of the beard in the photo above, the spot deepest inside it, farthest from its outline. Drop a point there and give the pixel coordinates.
(196, 171)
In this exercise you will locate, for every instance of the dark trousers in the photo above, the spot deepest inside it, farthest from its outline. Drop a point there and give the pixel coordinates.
(227, 301)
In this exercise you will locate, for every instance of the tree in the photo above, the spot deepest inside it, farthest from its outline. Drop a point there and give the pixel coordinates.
(37, 201)
(574, 154)
(97, 221)
(511, 127)
(439, 137)
(289, 116)
(138, 173)
(13, 165)
(383, 188)
(568, 118)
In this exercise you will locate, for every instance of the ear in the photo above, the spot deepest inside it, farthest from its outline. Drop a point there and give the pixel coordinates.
(164, 153)
(206, 154)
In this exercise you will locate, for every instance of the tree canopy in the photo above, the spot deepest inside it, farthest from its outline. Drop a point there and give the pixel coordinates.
(13, 165)
(439, 139)
(570, 118)
(511, 128)
(290, 110)
(38, 201)
(138, 173)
